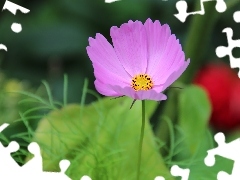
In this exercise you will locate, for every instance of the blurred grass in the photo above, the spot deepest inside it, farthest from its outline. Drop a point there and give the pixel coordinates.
(94, 139)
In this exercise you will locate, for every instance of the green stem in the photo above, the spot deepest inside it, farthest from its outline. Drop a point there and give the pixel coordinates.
(141, 140)
(199, 36)
(65, 88)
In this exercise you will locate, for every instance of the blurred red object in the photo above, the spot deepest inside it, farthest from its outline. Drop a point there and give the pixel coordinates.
(223, 87)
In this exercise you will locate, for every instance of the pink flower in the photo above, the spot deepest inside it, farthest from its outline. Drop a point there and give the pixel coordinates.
(144, 60)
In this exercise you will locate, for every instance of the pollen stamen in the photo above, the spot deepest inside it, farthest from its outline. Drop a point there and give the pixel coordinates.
(142, 82)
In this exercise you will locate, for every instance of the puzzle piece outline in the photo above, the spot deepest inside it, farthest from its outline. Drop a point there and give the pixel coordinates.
(15, 27)
(228, 151)
(182, 6)
(222, 51)
(176, 171)
(32, 169)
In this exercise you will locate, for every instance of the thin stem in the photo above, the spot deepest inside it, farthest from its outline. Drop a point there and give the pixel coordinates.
(65, 88)
(141, 140)
(199, 37)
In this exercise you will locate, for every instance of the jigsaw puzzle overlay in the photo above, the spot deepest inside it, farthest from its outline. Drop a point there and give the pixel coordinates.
(9, 168)
(111, 1)
(182, 9)
(222, 51)
(226, 150)
(221, 7)
(16, 27)
(176, 171)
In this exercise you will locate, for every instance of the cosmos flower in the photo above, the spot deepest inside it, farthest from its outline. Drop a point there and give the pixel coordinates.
(144, 60)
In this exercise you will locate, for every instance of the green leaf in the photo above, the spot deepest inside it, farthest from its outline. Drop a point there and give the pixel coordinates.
(196, 138)
(194, 114)
(101, 140)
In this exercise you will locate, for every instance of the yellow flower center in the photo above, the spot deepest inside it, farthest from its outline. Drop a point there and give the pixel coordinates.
(142, 82)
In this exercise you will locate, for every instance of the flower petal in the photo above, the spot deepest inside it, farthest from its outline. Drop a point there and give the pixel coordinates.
(130, 44)
(108, 77)
(172, 59)
(140, 95)
(105, 89)
(176, 74)
(105, 61)
(157, 36)
(151, 95)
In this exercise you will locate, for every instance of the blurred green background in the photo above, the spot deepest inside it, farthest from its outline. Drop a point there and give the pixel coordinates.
(55, 35)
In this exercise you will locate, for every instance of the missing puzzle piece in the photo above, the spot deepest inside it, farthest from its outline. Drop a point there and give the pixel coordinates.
(33, 168)
(227, 150)
(5, 125)
(7, 163)
(9, 168)
(222, 51)
(236, 16)
(177, 171)
(182, 6)
(159, 178)
(36, 161)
